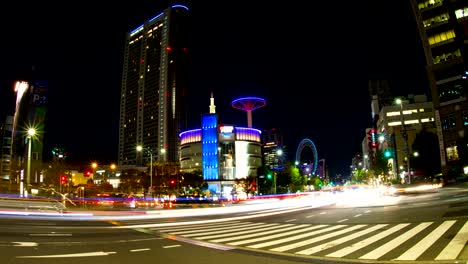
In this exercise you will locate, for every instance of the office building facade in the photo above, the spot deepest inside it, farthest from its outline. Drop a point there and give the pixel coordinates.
(153, 105)
(443, 28)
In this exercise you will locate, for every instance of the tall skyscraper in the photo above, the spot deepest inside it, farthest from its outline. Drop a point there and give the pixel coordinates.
(153, 105)
(273, 149)
(443, 28)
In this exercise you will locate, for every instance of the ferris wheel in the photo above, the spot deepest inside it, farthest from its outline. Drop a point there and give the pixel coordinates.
(308, 143)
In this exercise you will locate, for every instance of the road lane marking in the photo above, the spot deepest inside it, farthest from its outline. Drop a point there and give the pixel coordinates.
(172, 246)
(366, 242)
(214, 229)
(74, 255)
(343, 220)
(339, 241)
(290, 220)
(358, 215)
(382, 250)
(262, 234)
(267, 227)
(139, 249)
(198, 243)
(455, 246)
(50, 234)
(316, 239)
(25, 244)
(282, 234)
(309, 216)
(417, 250)
(287, 239)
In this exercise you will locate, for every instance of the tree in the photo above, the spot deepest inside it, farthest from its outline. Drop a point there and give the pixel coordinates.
(131, 181)
(381, 166)
(265, 179)
(359, 176)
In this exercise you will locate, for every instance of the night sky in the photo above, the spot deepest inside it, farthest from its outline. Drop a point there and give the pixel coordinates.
(310, 62)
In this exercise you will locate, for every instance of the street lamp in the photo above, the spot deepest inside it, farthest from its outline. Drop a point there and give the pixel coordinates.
(405, 137)
(31, 134)
(150, 152)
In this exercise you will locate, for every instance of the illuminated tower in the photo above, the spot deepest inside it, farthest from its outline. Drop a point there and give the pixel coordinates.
(212, 105)
(153, 105)
(248, 104)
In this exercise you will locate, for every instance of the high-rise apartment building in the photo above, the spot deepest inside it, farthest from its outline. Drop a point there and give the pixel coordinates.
(273, 154)
(153, 105)
(443, 28)
(6, 129)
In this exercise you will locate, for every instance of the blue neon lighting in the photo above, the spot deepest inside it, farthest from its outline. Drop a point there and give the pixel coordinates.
(210, 147)
(156, 17)
(138, 29)
(249, 129)
(249, 98)
(182, 6)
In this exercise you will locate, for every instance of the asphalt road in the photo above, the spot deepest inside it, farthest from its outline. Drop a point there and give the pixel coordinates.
(422, 228)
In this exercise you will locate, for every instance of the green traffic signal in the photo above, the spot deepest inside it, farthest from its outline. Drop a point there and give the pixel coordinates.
(387, 153)
(269, 176)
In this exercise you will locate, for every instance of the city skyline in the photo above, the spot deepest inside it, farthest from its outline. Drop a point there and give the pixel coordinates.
(313, 77)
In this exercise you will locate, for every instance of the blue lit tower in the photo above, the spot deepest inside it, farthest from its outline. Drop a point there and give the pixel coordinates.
(210, 143)
(153, 105)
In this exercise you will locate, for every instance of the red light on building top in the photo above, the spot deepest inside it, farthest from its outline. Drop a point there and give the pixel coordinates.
(169, 48)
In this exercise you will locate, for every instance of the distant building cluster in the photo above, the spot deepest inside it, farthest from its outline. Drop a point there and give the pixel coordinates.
(398, 121)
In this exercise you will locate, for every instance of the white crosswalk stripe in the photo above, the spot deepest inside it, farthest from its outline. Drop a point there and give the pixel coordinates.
(316, 239)
(288, 239)
(211, 231)
(453, 249)
(333, 243)
(282, 234)
(232, 233)
(360, 241)
(366, 242)
(275, 230)
(382, 250)
(415, 251)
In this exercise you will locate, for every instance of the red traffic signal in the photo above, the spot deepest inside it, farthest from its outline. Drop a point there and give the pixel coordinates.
(87, 173)
(63, 179)
(172, 182)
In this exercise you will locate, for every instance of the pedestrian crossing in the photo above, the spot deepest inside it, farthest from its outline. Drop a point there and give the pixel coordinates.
(426, 241)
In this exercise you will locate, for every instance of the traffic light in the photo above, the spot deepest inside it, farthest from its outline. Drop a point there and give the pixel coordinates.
(88, 173)
(372, 138)
(269, 176)
(172, 182)
(387, 154)
(63, 179)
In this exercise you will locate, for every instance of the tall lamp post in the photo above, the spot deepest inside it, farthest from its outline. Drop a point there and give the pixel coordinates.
(405, 137)
(150, 152)
(31, 133)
